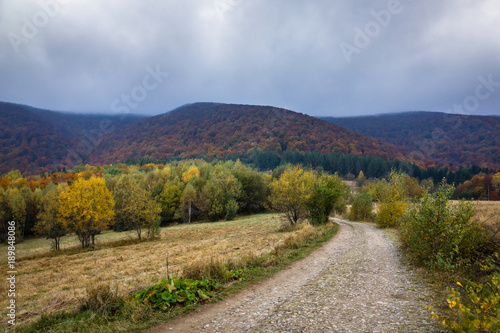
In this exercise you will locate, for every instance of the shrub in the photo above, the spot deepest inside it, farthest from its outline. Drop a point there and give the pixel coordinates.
(362, 208)
(391, 198)
(481, 312)
(442, 236)
(327, 196)
(391, 213)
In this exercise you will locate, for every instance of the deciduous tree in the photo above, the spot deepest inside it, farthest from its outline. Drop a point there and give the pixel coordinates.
(187, 200)
(86, 208)
(134, 206)
(48, 224)
(220, 193)
(329, 192)
(188, 175)
(290, 193)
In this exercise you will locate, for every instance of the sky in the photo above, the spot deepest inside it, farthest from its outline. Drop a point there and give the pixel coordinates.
(319, 57)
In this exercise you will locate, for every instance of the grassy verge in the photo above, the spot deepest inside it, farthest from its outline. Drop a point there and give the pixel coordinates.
(132, 317)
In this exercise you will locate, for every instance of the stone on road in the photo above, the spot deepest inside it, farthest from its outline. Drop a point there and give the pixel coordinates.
(354, 283)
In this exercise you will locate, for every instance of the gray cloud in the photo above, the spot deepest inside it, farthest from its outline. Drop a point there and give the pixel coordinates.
(87, 54)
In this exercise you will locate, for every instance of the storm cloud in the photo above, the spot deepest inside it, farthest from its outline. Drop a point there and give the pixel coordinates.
(323, 58)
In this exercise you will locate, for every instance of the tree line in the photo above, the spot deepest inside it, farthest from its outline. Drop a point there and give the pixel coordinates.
(91, 199)
(346, 165)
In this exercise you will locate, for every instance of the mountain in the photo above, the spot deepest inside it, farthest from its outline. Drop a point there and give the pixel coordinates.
(216, 130)
(34, 140)
(439, 138)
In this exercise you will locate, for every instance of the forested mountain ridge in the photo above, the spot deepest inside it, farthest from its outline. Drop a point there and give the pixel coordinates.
(439, 138)
(34, 140)
(217, 130)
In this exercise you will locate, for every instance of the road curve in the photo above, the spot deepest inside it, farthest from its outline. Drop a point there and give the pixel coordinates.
(354, 283)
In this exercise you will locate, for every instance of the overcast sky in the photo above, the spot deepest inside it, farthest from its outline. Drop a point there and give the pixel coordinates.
(320, 57)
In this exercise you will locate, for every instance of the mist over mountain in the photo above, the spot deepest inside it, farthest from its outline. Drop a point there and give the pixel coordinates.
(34, 140)
(439, 138)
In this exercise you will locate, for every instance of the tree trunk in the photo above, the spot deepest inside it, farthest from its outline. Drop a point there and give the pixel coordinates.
(189, 209)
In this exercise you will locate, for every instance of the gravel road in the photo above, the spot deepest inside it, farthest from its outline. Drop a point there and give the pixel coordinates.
(355, 283)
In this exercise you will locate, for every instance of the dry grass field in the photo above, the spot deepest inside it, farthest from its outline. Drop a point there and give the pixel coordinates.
(48, 283)
(488, 214)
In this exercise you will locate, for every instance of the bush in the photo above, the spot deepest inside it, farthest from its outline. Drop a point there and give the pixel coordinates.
(391, 198)
(328, 195)
(442, 236)
(362, 208)
(481, 312)
(391, 213)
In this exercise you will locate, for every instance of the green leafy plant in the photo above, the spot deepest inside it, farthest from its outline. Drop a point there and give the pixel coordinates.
(362, 208)
(481, 312)
(180, 291)
(237, 274)
(441, 235)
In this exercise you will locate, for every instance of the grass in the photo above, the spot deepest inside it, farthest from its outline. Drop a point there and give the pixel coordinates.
(50, 286)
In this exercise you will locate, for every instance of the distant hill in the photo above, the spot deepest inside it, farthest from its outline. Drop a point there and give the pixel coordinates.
(216, 130)
(447, 139)
(34, 140)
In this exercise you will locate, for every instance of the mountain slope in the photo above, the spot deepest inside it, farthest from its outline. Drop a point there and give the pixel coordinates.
(34, 140)
(448, 139)
(216, 130)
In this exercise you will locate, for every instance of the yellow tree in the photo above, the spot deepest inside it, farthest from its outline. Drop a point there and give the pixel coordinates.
(86, 208)
(391, 201)
(290, 193)
(188, 175)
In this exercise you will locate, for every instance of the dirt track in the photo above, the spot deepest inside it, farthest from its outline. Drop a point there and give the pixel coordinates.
(355, 283)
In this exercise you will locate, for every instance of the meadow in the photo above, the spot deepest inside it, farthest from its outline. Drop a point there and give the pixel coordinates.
(488, 215)
(488, 212)
(49, 282)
